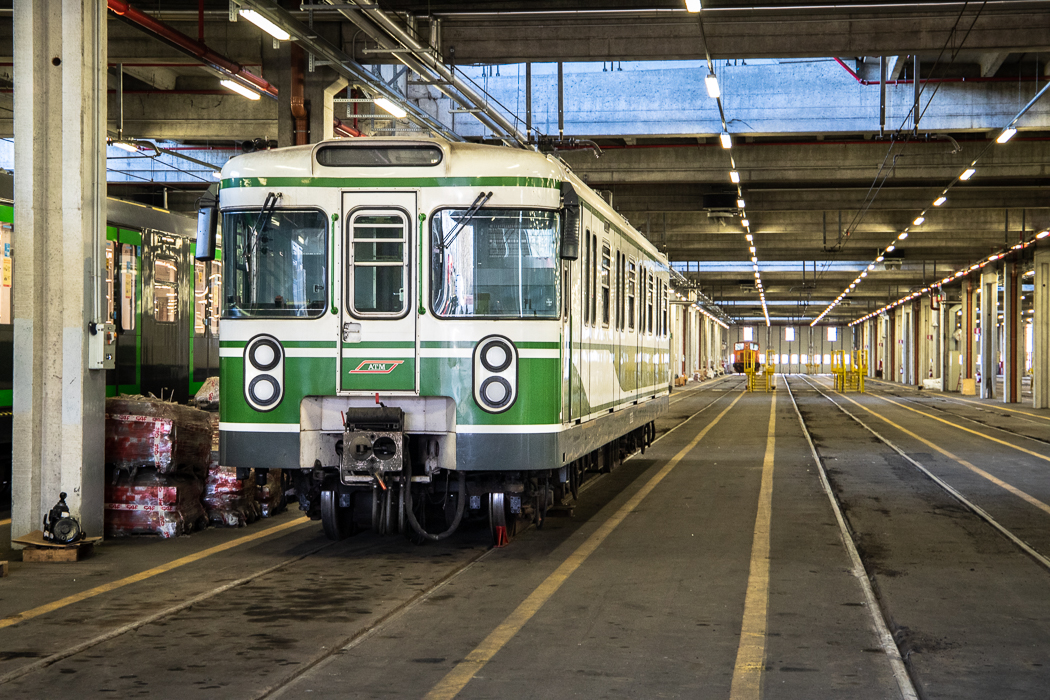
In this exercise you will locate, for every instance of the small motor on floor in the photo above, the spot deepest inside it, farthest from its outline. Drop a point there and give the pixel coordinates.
(59, 526)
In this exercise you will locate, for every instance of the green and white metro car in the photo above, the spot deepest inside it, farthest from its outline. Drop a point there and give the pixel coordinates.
(471, 318)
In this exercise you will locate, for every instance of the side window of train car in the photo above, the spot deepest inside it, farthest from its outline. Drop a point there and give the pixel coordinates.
(129, 283)
(379, 263)
(649, 293)
(594, 279)
(663, 306)
(587, 278)
(621, 297)
(165, 289)
(632, 271)
(606, 265)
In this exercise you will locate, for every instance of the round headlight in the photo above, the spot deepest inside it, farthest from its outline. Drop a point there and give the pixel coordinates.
(264, 390)
(264, 354)
(496, 391)
(496, 356)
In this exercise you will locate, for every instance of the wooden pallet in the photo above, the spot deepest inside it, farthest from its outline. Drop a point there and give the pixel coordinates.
(40, 550)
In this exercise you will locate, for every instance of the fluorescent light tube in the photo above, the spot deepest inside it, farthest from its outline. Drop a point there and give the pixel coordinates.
(726, 139)
(918, 221)
(734, 176)
(265, 25)
(711, 83)
(967, 174)
(239, 89)
(1007, 134)
(129, 147)
(939, 201)
(387, 105)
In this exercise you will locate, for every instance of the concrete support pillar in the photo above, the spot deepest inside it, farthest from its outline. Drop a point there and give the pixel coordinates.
(870, 330)
(989, 350)
(58, 418)
(1041, 329)
(891, 374)
(967, 337)
(1013, 335)
(907, 376)
(923, 361)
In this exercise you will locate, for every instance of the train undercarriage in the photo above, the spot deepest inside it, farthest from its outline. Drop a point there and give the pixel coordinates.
(368, 490)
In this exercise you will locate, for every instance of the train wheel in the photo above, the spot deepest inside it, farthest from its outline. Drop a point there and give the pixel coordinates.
(543, 495)
(338, 523)
(501, 517)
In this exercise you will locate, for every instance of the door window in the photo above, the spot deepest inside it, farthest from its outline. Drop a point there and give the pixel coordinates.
(380, 264)
(165, 289)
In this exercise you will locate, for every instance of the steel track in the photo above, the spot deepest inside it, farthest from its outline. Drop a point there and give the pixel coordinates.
(970, 505)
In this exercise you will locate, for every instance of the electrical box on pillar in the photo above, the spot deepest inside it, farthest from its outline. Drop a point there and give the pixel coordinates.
(102, 346)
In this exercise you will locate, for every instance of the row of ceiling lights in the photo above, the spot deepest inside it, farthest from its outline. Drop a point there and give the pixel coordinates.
(713, 91)
(281, 35)
(1004, 136)
(705, 312)
(959, 273)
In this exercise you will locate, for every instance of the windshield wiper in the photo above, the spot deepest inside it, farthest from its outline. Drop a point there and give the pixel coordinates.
(479, 202)
(260, 227)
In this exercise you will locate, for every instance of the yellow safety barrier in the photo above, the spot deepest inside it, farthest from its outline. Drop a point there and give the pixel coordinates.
(849, 370)
(750, 369)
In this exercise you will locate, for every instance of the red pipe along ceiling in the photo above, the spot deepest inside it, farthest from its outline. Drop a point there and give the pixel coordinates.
(191, 46)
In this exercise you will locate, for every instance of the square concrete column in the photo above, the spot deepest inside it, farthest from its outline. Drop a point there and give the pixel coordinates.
(1013, 333)
(967, 337)
(1041, 329)
(989, 333)
(58, 417)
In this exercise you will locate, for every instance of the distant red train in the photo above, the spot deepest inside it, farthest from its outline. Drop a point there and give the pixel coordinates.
(741, 353)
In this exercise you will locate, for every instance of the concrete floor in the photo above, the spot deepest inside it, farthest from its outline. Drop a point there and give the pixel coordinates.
(643, 593)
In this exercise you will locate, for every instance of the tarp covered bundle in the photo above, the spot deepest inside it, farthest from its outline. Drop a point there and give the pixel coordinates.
(150, 503)
(157, 456)
(169, 437)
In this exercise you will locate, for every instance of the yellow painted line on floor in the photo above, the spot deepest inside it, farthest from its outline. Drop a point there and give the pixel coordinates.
(969, 465)
(457, 679)
(968, 430)
(751, 654)
(5, 521)
(148, 573)
(996, 406)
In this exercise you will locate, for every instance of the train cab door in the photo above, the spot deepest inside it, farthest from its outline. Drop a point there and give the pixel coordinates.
(378, 348)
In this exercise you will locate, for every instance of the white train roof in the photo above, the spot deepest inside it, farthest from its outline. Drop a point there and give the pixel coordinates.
(460, 160)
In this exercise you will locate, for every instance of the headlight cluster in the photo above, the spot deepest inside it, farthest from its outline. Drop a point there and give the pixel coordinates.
(263, 373)
(495, 374)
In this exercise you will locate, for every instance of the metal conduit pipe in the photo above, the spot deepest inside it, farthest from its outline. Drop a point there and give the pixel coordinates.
(344, 65)
(427, 57)
(344, 129)
(381, 37)
(191, 46)
(298, 89)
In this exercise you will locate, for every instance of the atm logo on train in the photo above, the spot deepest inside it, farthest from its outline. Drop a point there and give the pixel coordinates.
(376, 366)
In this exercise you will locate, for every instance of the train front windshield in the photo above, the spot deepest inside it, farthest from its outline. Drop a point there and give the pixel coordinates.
(274, 268)
(496, 263)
